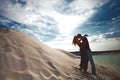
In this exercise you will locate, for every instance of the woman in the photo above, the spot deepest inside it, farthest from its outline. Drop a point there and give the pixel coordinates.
(84, 57)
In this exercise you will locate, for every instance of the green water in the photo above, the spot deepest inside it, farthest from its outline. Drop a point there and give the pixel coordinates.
(112, 60)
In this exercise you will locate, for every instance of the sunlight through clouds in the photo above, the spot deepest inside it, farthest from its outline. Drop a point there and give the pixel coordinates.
(67, 23)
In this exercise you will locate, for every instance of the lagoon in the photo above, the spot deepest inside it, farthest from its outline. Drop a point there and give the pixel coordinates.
(111, 60)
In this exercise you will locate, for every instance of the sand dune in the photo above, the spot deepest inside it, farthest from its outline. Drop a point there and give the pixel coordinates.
(24, 58)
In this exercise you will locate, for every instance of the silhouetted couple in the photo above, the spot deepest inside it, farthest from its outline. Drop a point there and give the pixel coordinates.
(85, 53)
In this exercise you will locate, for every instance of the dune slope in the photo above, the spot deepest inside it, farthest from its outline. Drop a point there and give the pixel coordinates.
(23, 58)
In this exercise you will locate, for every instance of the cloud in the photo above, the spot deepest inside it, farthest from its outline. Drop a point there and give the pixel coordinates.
(22, 3)
(105, 41)
(34, 15)
(66, 23)
(13, 11)
(104, 36)
(79, 6)
(106, 44)
(64, 42)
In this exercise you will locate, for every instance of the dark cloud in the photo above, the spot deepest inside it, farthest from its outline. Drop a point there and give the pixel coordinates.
(69, 1)
(20, 2)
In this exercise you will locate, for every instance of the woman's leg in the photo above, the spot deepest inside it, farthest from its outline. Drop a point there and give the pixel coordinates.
(81, 63)
(85, 62)
(85, 66)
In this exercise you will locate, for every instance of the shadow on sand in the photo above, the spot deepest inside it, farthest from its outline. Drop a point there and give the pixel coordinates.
(82, 76)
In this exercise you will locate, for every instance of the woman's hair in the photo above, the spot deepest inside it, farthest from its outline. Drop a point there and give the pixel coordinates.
(74, 42)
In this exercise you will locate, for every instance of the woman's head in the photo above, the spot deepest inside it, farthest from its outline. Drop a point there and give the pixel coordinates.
(75, 40)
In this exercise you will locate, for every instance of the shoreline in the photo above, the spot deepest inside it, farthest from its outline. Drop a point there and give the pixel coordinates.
(77, 53)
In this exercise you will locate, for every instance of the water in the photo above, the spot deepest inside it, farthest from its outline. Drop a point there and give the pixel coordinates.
(112, 60)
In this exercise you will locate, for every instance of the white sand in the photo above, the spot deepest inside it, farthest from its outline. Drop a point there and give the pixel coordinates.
(24, 58)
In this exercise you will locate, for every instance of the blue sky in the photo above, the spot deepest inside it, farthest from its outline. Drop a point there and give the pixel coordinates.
(55, 22)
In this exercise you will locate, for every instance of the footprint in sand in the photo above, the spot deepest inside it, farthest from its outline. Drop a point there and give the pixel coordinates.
(54, 69)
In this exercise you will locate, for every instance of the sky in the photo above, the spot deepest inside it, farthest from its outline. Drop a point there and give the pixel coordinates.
(56, 22)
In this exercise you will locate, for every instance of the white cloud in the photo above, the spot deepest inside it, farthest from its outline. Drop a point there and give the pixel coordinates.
(97, 38)
(66, 23)
(107, 44)
(64, 42)
(102, 37)
(80, 6)
(100, 42)
(13, 11)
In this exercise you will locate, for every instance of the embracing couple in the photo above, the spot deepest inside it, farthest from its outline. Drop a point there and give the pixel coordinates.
(85, 53)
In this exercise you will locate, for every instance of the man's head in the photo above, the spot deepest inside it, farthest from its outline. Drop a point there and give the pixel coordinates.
(79, 35)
